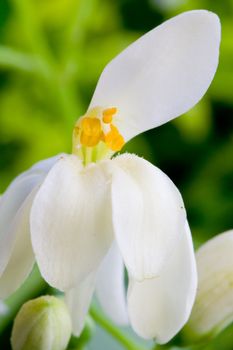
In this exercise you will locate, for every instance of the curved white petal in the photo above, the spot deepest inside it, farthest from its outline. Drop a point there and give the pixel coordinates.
(78, 300)
(71, 224)
(21, 259)
(213, 308)
(46, 164)
(41, 167)
(163, 74)
(10, 204)
(11, 201)
(148, 215)
(159, 307)
(110, 287)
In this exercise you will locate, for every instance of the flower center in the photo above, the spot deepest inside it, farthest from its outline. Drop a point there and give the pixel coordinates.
(95, 136)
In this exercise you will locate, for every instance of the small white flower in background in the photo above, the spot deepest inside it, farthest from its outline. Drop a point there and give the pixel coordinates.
(213, 308)
(42, 324)
(86, 205)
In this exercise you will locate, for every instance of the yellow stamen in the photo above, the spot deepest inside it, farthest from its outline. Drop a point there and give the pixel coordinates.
(108, 114)
(95, 136)
(91, 132)
(114, 140)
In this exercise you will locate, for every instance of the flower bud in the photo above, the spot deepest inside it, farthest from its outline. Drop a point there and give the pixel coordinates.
(213, 308)
(42, 323)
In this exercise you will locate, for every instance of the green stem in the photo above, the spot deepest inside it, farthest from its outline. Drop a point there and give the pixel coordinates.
(116, 333)
(161, 347)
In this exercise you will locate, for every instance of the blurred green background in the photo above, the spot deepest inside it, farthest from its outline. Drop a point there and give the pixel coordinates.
(51, 55)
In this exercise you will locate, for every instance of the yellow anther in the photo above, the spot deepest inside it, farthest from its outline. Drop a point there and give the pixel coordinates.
(91, 132)
(95, 136)
(114, 140)
(108, 114)
(91, 126)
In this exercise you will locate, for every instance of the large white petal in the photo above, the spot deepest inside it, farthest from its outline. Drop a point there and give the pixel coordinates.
(163, 74)
(148, 215)
(11, 201)
(71, 221)
(21, 259)
(159, 307)
(213, 308)
(78, 300)
(110, 287)
(10, 204)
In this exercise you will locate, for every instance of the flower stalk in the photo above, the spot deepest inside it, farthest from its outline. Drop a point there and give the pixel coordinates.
(114, 331)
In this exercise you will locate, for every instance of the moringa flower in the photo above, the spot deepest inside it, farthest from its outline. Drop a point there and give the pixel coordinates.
(213, 308)
(87, 201)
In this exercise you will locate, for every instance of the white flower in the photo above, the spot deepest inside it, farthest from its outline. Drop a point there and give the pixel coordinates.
(213, 308)
(86, 201)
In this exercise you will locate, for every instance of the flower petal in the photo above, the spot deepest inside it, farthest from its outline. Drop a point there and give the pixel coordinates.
(110, 287)
(11, 201)
(46, 164)
(42, 167)
(78, 300)
(71, 221)
(10, 204)
(213, 308)
(159, 307)
(148, 215)
(21, 259)
(163, 74)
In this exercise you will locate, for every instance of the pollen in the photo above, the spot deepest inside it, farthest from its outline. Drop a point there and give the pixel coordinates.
(108, 115)
(91, 132)
(114, 140)
(96, 130)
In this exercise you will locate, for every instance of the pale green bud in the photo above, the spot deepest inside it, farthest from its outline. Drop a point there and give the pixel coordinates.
(213, 308)
(42, 324)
